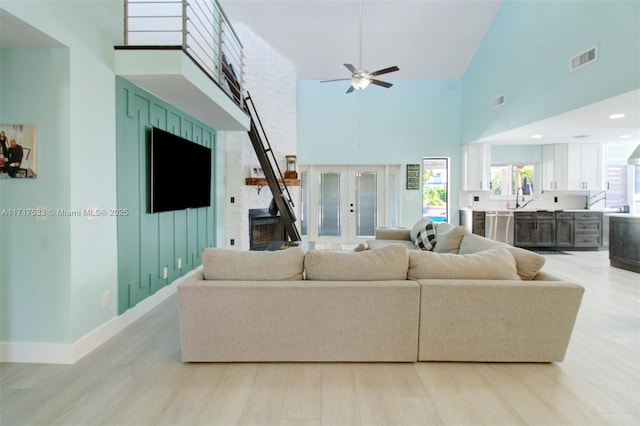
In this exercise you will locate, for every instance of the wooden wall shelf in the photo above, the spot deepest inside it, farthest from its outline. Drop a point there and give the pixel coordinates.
(263, 182)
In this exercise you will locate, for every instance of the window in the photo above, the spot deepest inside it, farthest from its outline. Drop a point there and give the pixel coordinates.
(435, 189)
(508, 179)
(617, 195)
(624, 188)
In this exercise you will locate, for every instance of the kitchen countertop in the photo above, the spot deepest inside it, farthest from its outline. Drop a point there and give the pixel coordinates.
(538, 210)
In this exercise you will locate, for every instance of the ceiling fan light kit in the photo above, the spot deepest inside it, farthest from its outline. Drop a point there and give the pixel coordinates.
(361, 78)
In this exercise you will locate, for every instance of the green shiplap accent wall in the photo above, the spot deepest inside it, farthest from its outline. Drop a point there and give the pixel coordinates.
(149, 242)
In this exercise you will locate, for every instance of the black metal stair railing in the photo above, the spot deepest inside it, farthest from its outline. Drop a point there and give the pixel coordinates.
(267, 160)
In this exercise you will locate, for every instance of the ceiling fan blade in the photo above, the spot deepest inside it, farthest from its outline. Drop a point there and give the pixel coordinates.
(380, 83)
(336, 79)
(351, 68)
(385, 70)
(350, 89)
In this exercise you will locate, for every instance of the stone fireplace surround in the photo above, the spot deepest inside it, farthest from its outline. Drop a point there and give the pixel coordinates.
(271, 81)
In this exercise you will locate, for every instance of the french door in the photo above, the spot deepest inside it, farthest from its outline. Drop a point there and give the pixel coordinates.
(345, 204)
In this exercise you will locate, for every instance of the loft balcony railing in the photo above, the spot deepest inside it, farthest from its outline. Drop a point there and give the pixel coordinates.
(198, 27)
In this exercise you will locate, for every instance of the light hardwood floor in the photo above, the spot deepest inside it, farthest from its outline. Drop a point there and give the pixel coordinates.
(137, 378)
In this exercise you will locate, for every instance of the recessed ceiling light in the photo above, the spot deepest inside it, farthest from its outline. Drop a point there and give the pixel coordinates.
(536, 136)
(626, 136)
(616, 116)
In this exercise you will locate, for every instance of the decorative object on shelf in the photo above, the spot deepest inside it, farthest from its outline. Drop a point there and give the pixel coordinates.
(413, 176)
(256, 172)
(290, 171)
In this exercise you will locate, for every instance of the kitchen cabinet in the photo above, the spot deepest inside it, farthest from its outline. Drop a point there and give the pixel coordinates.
(535, 229)
(624, 242)
(476, 167)
(564, 229)
(478, 226)
(586, 167)
(587, 229)
(574, 167)
(474, 221)
(554, 166)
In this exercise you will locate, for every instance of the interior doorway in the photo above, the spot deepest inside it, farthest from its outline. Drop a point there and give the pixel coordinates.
(346, 203)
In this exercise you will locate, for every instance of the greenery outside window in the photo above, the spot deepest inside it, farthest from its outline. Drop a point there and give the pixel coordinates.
(509, 179)
(435, 188)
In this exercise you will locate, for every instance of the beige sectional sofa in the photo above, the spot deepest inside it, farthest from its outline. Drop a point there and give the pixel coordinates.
(484, 302)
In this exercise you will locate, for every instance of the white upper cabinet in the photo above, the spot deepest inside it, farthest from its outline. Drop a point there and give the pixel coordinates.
(476, 167)
(554, 167)
(574, 167)
(586, 168)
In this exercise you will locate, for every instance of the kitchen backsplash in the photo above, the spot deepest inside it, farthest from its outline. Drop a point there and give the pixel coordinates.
(549, 200)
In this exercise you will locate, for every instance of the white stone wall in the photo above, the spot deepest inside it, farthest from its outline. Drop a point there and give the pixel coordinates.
(271, 81)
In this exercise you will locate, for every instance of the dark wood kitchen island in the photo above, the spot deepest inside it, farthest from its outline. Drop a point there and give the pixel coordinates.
(624, 241)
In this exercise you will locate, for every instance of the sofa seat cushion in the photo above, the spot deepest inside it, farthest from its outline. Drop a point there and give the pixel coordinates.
(492, 264)
(227, 264)
(527, 262)
(386, 263)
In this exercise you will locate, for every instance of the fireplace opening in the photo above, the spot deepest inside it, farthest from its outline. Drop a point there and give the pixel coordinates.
(264, 229)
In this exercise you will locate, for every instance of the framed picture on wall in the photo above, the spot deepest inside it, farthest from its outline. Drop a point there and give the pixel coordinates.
(413, 176)
(18, 151)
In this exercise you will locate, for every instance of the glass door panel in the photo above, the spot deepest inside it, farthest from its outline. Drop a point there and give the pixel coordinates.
(329, 200)
(366, 206)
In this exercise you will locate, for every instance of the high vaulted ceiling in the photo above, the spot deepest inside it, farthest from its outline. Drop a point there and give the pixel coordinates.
(427, 39)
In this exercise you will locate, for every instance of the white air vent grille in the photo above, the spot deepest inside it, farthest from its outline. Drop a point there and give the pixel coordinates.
(497, 101)
(584, 58)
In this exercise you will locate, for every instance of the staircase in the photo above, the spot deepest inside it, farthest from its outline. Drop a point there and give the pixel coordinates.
(266, 156)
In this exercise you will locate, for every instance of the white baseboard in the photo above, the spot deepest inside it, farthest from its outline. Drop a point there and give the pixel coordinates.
(69, 353)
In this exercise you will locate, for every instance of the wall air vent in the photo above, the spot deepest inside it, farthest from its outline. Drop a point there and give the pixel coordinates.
(497, 101)
(584, 58)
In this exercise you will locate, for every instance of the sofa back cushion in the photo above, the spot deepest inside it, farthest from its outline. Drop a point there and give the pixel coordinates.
(527, 262)
(227, 264)
(386, 263)
(492, 264)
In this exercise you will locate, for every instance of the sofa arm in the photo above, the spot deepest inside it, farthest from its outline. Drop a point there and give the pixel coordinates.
(497, 320)
(393, 234)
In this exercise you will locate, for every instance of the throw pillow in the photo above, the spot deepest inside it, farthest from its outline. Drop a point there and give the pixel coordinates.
(494, 264)
(449, 241)
(386, 263)
(362, 246)
(442, 227)
(426, 238)
(227, 264)
(415, 229)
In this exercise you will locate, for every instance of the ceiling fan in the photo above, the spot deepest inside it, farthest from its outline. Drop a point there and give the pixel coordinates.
(360, 77)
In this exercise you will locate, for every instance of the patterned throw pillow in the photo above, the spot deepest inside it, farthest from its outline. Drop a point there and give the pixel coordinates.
(426, 237)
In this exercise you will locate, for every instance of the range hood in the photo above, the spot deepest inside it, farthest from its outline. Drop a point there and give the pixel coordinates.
(634, 159)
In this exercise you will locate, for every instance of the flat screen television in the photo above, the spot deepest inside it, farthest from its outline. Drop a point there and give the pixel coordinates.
(180, 173)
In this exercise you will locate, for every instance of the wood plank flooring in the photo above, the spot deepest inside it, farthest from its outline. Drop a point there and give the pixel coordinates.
(137, 378)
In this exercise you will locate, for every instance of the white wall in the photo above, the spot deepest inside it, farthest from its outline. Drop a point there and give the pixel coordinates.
(82, 164)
